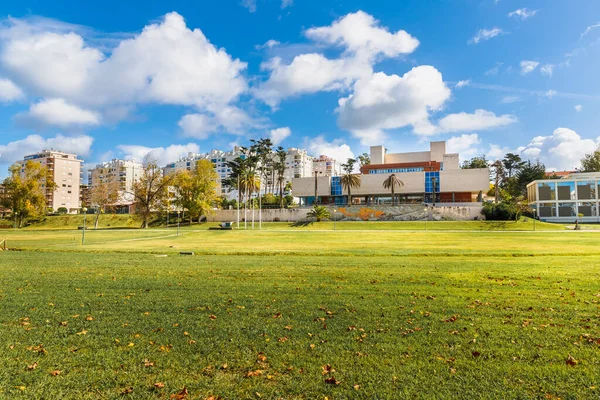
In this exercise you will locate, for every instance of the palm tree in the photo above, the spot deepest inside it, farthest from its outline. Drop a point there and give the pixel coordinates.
(319, 213)
(349, 180)
(390, 183)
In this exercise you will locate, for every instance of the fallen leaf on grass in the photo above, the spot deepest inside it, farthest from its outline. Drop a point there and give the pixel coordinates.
(571, 361)
(32, 366)
(451, 319)
(83, 332)
(278, 315)
(148, 363)
(332, 381)
(251, 374)
(327, 369)
(452, 370)
(212, 316)
(159, 385)
(181, 395)
(475, 353)
(356, 387)
(56, 372)
(282, 339)
(127, 390)
(89, 318)
(261, 357)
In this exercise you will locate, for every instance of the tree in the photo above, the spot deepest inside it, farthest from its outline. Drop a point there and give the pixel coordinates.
(349, 180)
(591, 162)
(151, 190)
(390, 183)
(512, 163)
(197, 189)
(279, 168)
(25, 192)
(103, 195)
(319, 213)
(475, 162)
(528, 173)
(364, 159)
(499, 176)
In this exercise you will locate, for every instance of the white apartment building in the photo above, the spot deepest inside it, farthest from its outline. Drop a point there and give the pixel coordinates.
(65, 170)
(326, 166)
(298, 164)
(125, 172)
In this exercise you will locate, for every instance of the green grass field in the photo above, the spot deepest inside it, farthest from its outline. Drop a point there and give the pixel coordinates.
(301, 313)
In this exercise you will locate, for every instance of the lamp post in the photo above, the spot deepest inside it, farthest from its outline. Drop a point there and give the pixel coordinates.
(427, 217)
(316, 186)
(534, 210)
(333, 216)
(83, 231)
(178, 212)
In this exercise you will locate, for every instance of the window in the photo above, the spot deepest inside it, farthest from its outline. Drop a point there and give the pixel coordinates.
(586, 190)
(566, 190)
(547, 191)
(587, 209)
(547, 210)
(566, 210)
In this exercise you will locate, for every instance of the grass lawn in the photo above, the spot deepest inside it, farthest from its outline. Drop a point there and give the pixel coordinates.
(299, 314)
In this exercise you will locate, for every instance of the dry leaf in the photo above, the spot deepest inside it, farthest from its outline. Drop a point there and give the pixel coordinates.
(212, 316)
(56, 372)
(181, 395)
(261, 357)
(475, 353)
(89, 318)
(32, 366)
(327, 369)
(159, 385)
(356, 387)
(148, 363)
(127, 391)
(278, 315)
(251, 374)
(571, 361)
(332, 381)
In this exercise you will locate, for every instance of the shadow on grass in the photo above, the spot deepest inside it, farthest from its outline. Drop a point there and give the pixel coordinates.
(302, 223)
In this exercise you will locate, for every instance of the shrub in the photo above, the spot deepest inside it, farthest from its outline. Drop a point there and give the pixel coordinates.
(62, 210)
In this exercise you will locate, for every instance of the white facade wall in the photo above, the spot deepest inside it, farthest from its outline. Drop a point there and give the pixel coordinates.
(65, 170)
(125, 172)
(326, 166)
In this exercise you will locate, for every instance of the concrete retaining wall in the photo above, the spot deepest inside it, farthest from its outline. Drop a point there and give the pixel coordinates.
(409, 212)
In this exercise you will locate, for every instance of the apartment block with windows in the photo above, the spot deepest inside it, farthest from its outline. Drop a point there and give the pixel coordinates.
(574, 196)
(125, 172)
(432, 177)
(298, 164)
(326, 166)
(65, 171)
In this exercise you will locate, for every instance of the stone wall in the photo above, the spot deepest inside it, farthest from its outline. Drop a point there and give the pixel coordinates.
(408, 212)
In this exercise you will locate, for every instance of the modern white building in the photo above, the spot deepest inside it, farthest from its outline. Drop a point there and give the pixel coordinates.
(125, 172)
(326, 166)
(574, 196)
(432, 176)
(65, 170)
(298, 164)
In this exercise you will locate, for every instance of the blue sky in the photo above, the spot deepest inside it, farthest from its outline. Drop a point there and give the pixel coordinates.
(121, 79)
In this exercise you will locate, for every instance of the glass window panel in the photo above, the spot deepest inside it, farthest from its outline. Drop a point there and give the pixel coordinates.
(586, 190)
(566, 210)
(566, 190)
(547, 210)
(588, 209)
(547, 191)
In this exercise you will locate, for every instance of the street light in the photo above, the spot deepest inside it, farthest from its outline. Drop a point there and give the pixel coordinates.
(334, 211)
(178, 222)
(83, 231)
(316, 186)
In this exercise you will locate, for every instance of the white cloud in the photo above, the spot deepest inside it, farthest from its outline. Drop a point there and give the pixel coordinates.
(269, 44)
(590, 28)
(479, 120)
(563, 150)
(550, 93)
(528, 66)
(162, 155)
(510, 99)
(461, 84)
(465, 145)
(167, 63)
(497, 152)
(9, 91)
(494, 70)
(250, 5)
(363, 41)
(360, 34)
(308, 73)
(279, 135)
(522, 13)
(547, 69)
(485, 34)
(336, 149)
(383, 101)
(14, 151)
(578, 107)
(286, 3)
(228, 119)
(57, 112)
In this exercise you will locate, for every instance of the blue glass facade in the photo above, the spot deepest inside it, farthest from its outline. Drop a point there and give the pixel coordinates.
(336, 186)
(429, 182)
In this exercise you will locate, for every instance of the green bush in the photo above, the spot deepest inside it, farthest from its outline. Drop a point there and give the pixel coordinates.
(500, 212)
(62, 210)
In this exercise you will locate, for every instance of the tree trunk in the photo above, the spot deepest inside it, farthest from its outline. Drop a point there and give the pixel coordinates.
(393, 198)
(349, 196)
(97, 219)
(280, 194)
